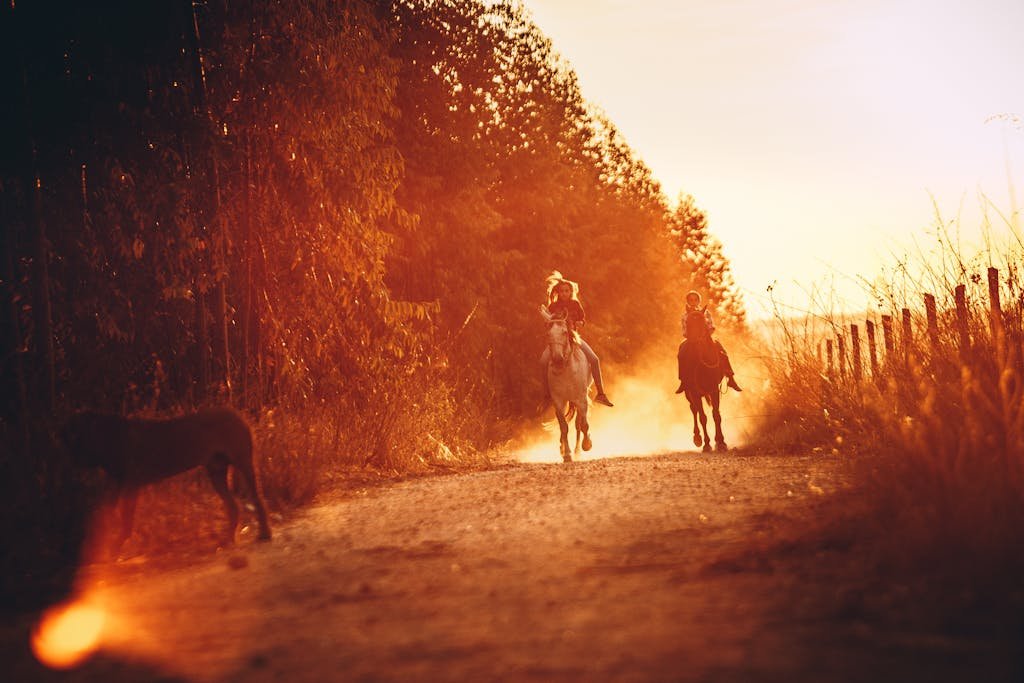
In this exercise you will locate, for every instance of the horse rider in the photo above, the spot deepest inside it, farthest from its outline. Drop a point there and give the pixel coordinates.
(697, 321)
(563, 302)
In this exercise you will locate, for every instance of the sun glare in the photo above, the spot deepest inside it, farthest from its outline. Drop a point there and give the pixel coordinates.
(68, 634)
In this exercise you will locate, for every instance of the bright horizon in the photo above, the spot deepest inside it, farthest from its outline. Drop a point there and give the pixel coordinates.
(813, 134)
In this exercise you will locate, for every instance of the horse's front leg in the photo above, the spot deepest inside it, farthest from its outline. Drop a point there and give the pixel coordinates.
(716, 414)
(563, 427)
(704, 427)
(582, 427)
(582, 423)
(694, 407)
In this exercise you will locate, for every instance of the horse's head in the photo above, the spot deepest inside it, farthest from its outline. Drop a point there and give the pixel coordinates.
(559, 340)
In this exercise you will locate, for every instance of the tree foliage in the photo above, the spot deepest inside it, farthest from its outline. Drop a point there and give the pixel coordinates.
(710, 272)
(315, 203)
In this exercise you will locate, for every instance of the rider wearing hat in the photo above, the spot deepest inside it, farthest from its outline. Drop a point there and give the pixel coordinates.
(563, 303)
(696, 321)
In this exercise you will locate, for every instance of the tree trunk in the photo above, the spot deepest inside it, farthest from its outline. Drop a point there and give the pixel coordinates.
(210, 202)
(12, 338)
(42, 320)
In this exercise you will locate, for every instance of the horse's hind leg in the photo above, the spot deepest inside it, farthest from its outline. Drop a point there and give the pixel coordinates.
(217, 468)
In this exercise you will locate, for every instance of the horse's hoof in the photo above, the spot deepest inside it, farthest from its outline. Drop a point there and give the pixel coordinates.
(707, 448)
(721, 447)
(566, 458)
(587, 443)
(697, 441)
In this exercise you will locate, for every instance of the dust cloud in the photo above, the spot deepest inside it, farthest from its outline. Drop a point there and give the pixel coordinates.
(649, 417)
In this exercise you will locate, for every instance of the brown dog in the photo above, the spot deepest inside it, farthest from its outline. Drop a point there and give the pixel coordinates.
(134, 452)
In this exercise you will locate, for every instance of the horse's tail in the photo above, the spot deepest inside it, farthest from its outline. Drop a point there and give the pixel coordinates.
(570, 413)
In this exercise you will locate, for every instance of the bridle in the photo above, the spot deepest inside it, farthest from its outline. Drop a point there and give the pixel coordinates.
(565, 345)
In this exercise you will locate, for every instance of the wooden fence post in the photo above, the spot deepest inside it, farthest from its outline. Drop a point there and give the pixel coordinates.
(842, 355)
(887, 336)
(855, 350)
(908, 337)
(872, 349)
(963, 331)
(828, 352)
(995, 312)
(933, 321)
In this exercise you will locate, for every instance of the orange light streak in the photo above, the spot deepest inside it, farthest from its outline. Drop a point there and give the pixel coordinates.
(68, 634)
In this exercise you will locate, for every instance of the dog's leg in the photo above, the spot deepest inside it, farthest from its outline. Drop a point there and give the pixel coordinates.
(248, 473)
(217, 468)
(102, 542)
(128, 499)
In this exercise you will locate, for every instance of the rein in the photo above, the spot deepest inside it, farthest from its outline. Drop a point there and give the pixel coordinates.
(569, 345)
(706, 347)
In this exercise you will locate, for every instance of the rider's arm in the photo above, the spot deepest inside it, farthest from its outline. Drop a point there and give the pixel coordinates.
(581, 315)
(709, 321)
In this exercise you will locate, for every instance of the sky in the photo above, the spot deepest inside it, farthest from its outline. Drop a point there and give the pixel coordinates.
(823, 139)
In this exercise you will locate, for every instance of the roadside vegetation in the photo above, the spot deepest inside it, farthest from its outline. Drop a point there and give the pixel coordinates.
(334, 216)
(933, 429)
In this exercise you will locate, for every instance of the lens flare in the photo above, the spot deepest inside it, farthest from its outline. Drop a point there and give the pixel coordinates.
(68, 634)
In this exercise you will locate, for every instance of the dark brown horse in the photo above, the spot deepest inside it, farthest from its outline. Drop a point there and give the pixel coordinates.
(702, 378)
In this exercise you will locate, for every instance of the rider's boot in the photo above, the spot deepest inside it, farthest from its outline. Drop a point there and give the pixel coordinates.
(681, 388)
(732, 384)
(602, 398)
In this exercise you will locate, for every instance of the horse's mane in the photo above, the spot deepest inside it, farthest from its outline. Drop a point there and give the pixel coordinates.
(574, 336)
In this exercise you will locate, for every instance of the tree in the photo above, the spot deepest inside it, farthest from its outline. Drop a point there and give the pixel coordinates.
(711, 273)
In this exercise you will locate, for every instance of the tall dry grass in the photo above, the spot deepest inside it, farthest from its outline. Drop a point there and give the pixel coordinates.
(935, 434)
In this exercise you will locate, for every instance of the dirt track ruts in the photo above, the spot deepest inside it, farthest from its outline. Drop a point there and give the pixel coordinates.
(620, 569)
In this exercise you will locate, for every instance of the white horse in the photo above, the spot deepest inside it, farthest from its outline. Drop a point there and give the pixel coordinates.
(568, 383)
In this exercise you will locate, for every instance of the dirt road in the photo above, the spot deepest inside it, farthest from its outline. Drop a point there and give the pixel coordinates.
(621, 569)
